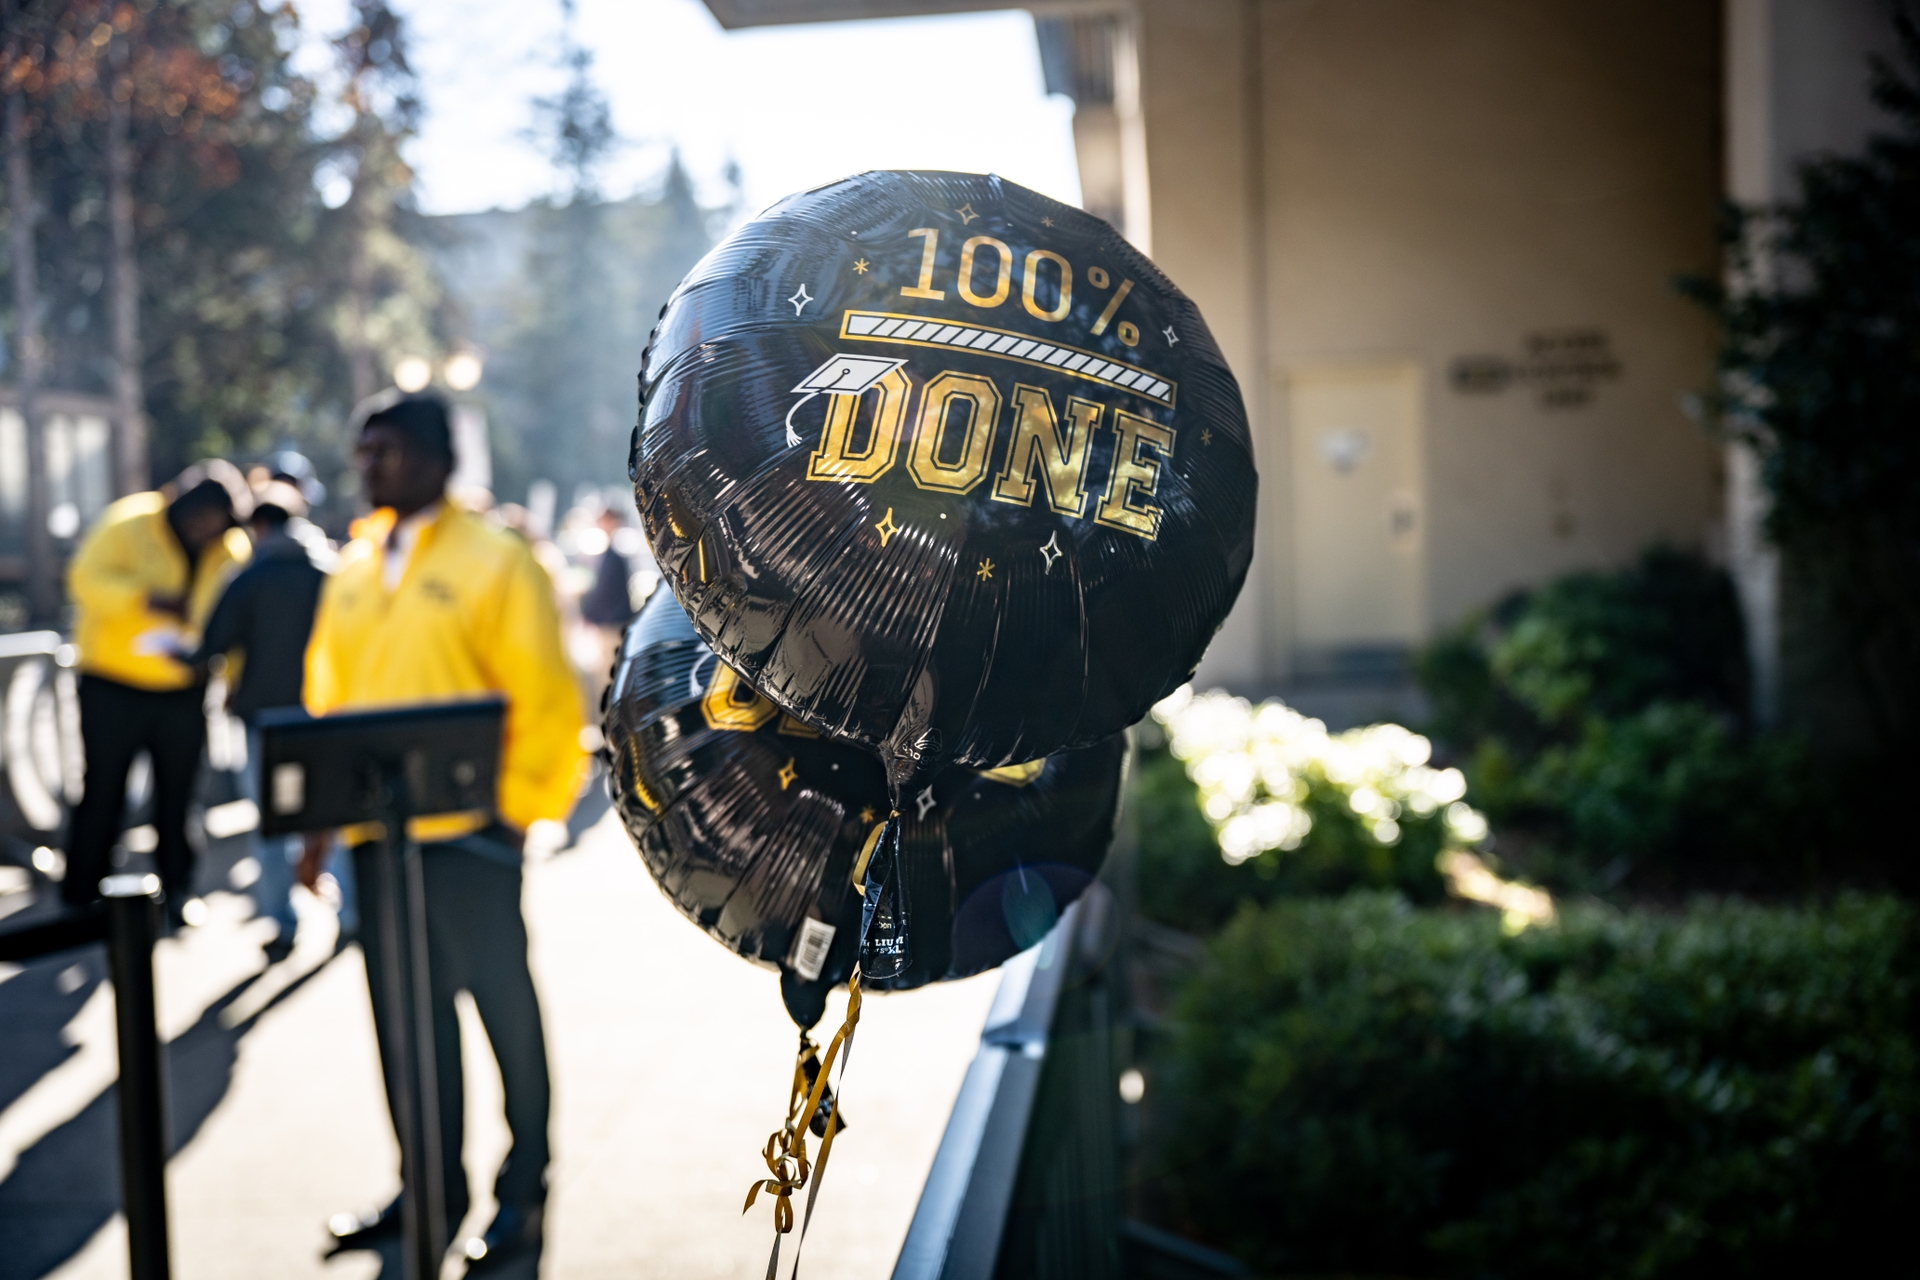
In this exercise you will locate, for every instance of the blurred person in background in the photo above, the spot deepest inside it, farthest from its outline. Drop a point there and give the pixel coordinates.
(296, 469)
(290, 466)
(434, 602)
(143, 583)
(266, 614)
(607, 605)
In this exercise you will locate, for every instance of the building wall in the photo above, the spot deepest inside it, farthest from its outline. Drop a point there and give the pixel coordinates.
(1371, 187)
(1204, 190)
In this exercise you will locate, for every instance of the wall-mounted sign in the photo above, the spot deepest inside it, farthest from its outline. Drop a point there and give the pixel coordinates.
(1563, 367)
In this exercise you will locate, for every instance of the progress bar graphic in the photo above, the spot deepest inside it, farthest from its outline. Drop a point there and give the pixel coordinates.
(882, 326)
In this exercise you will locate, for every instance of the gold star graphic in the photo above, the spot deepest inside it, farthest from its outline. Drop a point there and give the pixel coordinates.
(868, 816)
(1046, 222)
(787, 774)
(1206, 435)
(861, 266)
(887, 527)
(985, 571)
(966, 213)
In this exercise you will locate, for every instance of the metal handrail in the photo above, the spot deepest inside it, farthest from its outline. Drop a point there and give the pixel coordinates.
(955, 1233)
(1029, 1178)
(976, 1193)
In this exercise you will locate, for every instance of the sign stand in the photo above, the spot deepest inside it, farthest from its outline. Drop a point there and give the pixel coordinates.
(387, 767)
(409, 992)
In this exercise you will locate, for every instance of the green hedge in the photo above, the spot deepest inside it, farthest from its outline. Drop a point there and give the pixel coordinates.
(1672, 792)
(1190, 887)
(1601, 721)
(1359, 1086)
(1664, 629)
(1183, 881)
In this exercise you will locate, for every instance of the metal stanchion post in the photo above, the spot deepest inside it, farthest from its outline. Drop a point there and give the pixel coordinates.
(386, 765)
(132, 922)
(402, 927)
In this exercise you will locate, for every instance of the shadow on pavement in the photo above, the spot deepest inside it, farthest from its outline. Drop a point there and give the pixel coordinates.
(591, 806)
(67, 1185)
(35, 1005)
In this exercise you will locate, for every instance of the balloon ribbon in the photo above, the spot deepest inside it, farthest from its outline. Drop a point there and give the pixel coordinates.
(786, 1149)
(866, 852)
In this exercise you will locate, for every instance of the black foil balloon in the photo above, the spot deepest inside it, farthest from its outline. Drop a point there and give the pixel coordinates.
(944, 467)
(752, 824)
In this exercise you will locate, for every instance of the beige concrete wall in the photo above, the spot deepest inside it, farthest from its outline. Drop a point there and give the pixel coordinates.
(1438, 179)
(1193, 75)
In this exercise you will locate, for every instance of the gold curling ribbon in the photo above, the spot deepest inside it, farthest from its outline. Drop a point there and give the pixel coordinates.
(866, 853)
(786, 1149)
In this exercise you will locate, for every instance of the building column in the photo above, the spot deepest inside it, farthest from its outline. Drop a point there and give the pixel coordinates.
(1797, 87)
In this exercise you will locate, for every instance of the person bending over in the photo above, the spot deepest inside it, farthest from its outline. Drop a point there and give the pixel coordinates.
(143, 583)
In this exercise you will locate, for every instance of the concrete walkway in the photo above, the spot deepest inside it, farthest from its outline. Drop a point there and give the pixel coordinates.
(671, 1059)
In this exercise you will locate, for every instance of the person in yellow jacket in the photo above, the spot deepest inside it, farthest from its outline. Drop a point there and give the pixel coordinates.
(143, 582)
(431, 602)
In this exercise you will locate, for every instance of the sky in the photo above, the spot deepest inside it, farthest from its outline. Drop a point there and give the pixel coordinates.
(793, 106)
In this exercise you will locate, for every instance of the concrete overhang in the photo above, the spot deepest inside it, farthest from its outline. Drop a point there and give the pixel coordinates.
(736, 14)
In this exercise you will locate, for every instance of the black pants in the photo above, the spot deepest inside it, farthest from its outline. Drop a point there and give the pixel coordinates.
(117, 721)
(477, 943)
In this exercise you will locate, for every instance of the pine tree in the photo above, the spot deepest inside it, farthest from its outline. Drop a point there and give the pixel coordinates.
(568, 330)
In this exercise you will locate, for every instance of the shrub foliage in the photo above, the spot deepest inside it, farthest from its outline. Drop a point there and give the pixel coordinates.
(1602, 723)
(1361, 1087)
(1270, 804)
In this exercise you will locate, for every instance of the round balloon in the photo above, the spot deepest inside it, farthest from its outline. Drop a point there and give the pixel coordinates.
(944, 467)
(754, 825)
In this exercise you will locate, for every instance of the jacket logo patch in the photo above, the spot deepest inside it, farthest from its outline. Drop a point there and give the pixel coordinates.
(437, 591)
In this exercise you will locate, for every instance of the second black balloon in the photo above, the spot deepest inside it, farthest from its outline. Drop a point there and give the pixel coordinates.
(752, 824)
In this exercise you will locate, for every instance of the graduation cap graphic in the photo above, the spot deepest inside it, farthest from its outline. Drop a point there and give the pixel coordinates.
(840, 376)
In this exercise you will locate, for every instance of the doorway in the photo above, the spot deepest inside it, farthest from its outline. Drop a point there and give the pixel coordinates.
(1359, 519)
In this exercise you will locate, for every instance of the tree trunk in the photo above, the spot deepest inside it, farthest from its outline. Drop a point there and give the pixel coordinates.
(132, 471)
(42, 588)
(360, 300)
(359, 276)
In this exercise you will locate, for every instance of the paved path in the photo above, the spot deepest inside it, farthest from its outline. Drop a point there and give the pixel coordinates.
(671, 1059)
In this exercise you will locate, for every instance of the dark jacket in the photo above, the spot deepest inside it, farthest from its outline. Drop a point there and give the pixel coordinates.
(607, 603)
(267, 613)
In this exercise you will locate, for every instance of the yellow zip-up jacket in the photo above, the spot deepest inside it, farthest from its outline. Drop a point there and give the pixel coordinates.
(473, 614)
(130, 555)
